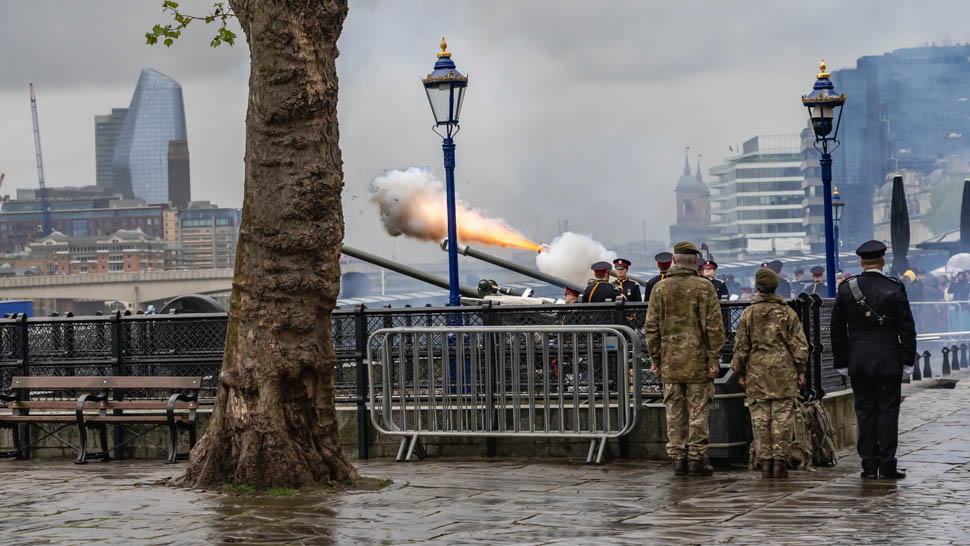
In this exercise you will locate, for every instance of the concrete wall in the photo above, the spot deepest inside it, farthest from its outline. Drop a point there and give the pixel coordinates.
(647, 442)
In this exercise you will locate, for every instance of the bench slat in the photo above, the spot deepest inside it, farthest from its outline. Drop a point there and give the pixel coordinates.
(106, 382)
(110, 404)
(56, 418)
(131, 419)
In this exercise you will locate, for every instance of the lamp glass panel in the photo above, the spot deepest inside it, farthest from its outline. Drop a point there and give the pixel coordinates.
(459, 98)
(439, 96)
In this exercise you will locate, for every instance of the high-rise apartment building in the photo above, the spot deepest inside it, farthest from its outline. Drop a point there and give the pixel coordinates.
(906, 109)
(758, 199)
(155, 118)
(107, 128)
(207, 236)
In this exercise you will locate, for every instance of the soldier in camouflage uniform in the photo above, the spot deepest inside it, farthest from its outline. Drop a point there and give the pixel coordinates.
(685, 334)
(770, 352)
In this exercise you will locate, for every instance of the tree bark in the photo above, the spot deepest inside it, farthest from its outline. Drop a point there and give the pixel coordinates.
(274, 423)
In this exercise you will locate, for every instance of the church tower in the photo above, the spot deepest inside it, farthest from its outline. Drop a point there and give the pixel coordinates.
(693, 205)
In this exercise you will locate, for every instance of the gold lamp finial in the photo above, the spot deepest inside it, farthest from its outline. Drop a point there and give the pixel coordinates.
(444, 49)
(821, 67)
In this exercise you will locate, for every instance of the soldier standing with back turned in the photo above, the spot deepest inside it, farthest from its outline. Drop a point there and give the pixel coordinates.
(874, 337)
(685, 334)
(770, 352)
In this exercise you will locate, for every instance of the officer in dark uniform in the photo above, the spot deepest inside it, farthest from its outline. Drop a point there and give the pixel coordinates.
(664, 259)
(599, 288)
(784, 287)
(818, 285)
(709, 270)
(874, 338)
(628, 290)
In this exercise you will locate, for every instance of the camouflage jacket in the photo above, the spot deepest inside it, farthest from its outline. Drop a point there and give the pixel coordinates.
(684, 326)
(769, 348)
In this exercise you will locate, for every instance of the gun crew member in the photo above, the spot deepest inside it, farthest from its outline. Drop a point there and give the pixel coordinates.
(629, 290)
(599, 288)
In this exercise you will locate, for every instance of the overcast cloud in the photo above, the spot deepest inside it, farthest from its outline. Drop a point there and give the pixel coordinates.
(575, 110)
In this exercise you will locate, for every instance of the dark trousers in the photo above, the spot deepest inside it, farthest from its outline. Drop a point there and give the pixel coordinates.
(877, 412)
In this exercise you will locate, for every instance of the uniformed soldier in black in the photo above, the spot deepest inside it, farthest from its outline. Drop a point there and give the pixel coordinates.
(784, 287)
(628, 290)
(599, 288)
(664, 259)
(708, 271)
(818, 285)
(874, 338)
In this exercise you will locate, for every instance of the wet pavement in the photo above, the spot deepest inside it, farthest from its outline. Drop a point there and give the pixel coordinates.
(507, 501)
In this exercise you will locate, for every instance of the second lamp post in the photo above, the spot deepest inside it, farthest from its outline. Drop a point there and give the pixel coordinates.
(825, 111)
(445, 87)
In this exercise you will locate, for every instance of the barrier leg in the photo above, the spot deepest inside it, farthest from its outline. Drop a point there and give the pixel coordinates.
(416, 448)
(591, 452)
(403, 449)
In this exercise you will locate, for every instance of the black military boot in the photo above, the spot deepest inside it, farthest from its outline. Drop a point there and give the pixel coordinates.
(699, 467)
(680, 467)
(767, 468)
(780, 469)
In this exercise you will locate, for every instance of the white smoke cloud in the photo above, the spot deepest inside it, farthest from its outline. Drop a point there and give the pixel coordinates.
(570, 255)
(412, 203)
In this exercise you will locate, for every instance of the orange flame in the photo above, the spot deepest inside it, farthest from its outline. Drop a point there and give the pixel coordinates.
(473, 226)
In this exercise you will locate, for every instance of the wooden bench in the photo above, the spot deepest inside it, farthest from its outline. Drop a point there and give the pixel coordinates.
(105, 401)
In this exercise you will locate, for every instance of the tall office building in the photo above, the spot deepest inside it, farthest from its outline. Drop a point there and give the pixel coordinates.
(905, 110)
(758, 204)
(107, 128)
(155, 118)
(179, 190)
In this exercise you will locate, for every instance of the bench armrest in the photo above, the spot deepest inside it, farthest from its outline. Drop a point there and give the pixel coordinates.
(85, 398)
(178, 397)
(9, 396)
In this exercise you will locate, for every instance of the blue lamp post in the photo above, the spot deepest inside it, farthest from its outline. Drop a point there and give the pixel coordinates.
(837, 205)
(825, 111)
(445, 87)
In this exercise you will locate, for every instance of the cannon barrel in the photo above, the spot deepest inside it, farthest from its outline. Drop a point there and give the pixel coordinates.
(435, 280)
(512, 266)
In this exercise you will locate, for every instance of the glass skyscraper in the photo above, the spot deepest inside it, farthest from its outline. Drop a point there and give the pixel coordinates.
(155, 117)
(107, 128)
(904, 110)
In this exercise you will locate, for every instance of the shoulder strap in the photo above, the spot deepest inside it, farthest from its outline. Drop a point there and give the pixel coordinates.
(860, 298)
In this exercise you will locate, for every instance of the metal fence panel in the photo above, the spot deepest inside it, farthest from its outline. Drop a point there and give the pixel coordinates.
(504, 381)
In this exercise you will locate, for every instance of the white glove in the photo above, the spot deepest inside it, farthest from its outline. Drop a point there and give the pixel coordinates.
(907, 371)
(843, 371)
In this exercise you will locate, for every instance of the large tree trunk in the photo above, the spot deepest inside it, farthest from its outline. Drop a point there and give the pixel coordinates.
(274, 423)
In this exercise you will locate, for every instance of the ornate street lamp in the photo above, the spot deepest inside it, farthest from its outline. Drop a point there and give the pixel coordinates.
(825, 110)
(837, 205)
(445, 87)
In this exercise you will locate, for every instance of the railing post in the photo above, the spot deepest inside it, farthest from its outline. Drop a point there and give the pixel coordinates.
(955, 361)
(927, 370)
(491, 442)
(24, 344)
(917, 372)
(963, 356)
(946, 361)
(363, 426)
(117, 432)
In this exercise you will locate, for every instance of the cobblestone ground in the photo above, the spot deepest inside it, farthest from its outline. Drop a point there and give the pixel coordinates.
(522, 501)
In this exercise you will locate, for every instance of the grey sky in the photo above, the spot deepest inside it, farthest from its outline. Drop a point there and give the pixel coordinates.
(575, 110)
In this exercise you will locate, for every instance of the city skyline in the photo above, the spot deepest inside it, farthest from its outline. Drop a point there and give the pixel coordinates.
(585, 111)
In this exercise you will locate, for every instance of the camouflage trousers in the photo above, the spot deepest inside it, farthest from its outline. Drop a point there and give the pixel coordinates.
(687, 407)
(772, 426)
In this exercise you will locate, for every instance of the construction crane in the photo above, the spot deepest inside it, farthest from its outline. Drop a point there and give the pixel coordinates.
(45, 207)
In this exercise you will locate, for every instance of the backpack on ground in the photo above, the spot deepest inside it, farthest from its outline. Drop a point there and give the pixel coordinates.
(813, 441)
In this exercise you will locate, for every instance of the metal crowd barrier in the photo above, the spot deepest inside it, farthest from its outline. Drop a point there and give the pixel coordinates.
(505, 381)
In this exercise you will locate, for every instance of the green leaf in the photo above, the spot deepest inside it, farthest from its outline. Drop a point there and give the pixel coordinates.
(150, 38)
(168, 42)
